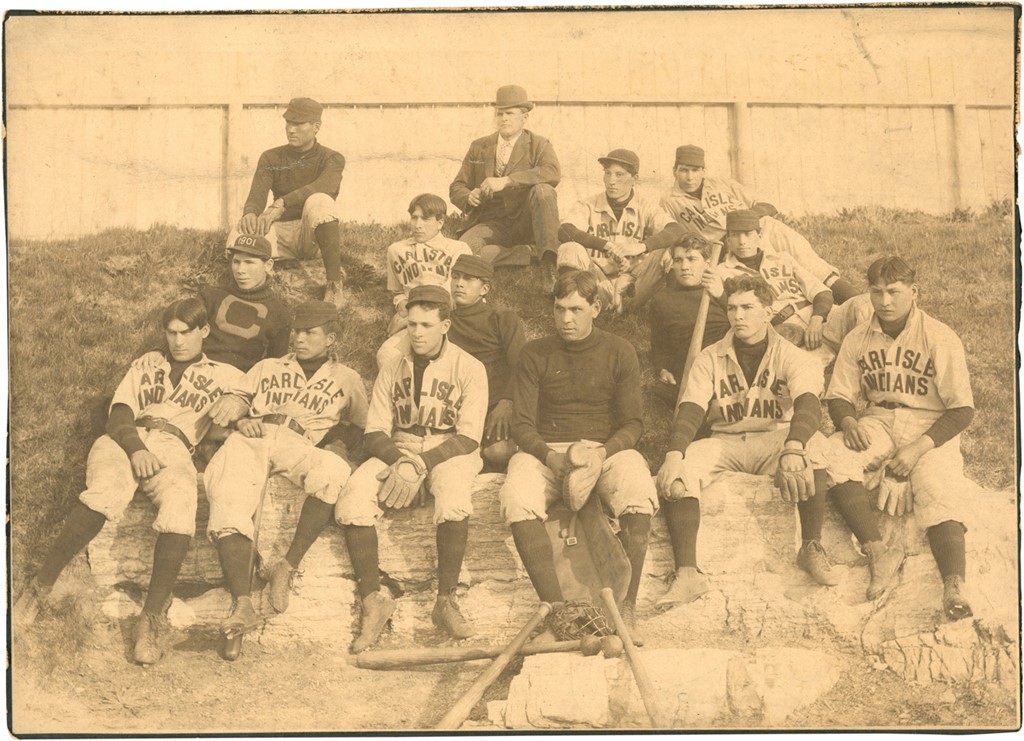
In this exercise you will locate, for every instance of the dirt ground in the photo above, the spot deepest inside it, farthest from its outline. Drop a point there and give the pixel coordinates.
(72, 673)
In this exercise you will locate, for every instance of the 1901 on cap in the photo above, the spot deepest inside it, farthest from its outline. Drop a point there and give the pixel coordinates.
(252, 244)
(314, 314)
(430, 294)
(303, 110)
(690, 156)
(474, 266)
(742, 220)
(512, 96)
(623, 157)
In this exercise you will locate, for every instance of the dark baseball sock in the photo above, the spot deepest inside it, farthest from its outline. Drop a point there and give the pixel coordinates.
(234, 552)
(362, 551)
(842, 290)
(451, 548)
(168, 555)
(314, 517)
(535, 549)
(328, 236)
(634, 532)
(683, 519)
(812, 511)
(83, 524)
(851, 499)
(949, 548)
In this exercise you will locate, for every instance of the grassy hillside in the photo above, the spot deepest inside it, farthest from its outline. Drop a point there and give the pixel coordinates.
(81, 310)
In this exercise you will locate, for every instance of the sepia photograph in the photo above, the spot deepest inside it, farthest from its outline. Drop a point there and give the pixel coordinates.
(513, 370)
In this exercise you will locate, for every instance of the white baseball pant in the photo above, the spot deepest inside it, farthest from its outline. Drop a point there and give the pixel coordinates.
(296, 239)
(646, 271)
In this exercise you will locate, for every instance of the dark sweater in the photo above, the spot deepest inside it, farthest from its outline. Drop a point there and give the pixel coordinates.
(567, 391)
(494, 336)
(294, 176)
(673, 314)
(245, 326)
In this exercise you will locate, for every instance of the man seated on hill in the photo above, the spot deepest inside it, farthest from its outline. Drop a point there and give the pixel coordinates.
(619, 235)
(911, 371)
(801, 302)
(760, 396)
(304, 177)
(506, 188)
(674, 313)
(423, 432)
(491, 334)
(156, 418)
(700, 203)
(282, 408)
(578, 388)
(424, 258)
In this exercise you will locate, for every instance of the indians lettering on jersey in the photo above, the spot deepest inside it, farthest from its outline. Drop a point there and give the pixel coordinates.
(239, 317)
(709, 211)
(736, 401)
(194, 391)
(705, 216)
(419, 259)
(641, 218)
(790, 283)
(290, 388)
(438, 406)
(901, 370)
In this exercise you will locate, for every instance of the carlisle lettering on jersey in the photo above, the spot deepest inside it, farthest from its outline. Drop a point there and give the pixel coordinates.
(606, 230)
(751, 405)
(419, 258)
(286, 386)
(879, 372)
(194, 391)
(435, 409)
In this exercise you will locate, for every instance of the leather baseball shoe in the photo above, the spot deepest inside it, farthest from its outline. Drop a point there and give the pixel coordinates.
(31, 600)
(242, 618)
(689, 584)
(813, 559)
(448, 616)
(884, 563)
(334, 293)
(954, 599)
(377, 609)
(148, 629)
(280, 576)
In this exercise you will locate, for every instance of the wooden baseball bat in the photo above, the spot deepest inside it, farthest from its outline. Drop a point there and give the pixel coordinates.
(698, 327)
(455, 717)
(643, 681)
(401, 658)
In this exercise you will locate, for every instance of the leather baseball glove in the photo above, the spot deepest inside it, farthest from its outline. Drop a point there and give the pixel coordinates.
(894, 494)
(585, 461)
(403, 482)
(795, 486)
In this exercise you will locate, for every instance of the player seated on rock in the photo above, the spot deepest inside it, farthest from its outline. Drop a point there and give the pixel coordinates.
(506, 189)
(800, 302)
(493, 335)
(579, 387)
(619, 235)
(760, 395)
(911, 371)
(304, 178)
(423, 435)
(281, 409)
(673, 314)
(425, 257)
(156, 418)
(700, 203)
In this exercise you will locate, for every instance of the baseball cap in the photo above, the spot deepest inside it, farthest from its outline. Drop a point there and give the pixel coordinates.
(252, 244)
(430, 294)
(624, 157)
(742, 220)
(314, 314)
(474, 266)
(303, 110)
(690, 155)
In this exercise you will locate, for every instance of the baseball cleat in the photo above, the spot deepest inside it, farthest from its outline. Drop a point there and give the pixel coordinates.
(148, 629)
(378, 608)
(549, 269)
(242, 619)
(32, 598)
(628, 613)
(689, 584)
(334, 293)
(448, 616)
(954, 601)
(884, 563)
(813, 559)
(280, 576)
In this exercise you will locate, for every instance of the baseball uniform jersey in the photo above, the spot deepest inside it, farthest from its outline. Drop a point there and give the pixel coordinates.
(412, 264)
(791, 284)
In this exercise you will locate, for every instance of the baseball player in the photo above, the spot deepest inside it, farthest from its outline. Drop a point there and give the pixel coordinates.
(579, 388)
(506, 188)
(281, 409)
(801, 301)
(911, 371)
(700, 203)
(673, 315)
(425, 257)
(305, 178)
(760, 395)
(155, 420)
(423, 433)
(619, 234)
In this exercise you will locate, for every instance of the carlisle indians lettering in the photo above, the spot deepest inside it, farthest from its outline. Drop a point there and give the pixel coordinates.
(906, 371)
(421, 257)
(751, 405)
(194, 391)
(291, 387)
(435, 409)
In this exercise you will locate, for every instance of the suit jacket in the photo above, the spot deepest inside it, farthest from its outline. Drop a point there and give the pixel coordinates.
(532, 161)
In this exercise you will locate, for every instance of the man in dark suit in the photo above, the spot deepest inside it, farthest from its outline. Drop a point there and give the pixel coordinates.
(506, 188)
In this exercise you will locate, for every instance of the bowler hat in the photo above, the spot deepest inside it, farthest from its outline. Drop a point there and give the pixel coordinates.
(252, 244)
(303, 110)
(512, 96)
(624, 157)
(314, 314)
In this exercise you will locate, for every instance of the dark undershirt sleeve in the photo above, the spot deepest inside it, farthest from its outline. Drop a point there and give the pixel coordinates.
(665, 238)
(571, 233)
(840, 409)
(458, 445)
(806, 418)
(346, 436)
(122, 430)
(689, 417)
(379, 445)
(950, 424)
(822, 304)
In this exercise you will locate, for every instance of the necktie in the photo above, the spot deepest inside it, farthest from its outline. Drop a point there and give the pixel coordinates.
(501, 157)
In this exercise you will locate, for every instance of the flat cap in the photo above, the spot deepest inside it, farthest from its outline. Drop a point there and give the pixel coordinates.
(303, 110)
(252, 244)
(624, 157)
(690, 155)
(430, 294)
(474, 266)
(314, 314)
(742, 220)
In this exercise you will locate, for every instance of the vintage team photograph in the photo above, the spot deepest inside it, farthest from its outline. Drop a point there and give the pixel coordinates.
(531, 370)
